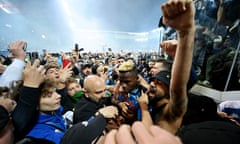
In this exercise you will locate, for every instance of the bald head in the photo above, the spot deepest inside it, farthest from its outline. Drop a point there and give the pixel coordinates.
(94, 87)
(92, 80)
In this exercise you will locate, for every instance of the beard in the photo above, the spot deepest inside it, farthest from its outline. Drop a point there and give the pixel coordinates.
(156, 94)
(155, 99)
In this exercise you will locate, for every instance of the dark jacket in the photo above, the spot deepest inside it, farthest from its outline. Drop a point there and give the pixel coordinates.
(209, 132)
(85, 109)
(25, 114)
(85, 132)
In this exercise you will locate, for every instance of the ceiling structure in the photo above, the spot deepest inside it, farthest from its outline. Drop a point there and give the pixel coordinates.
(59, 24)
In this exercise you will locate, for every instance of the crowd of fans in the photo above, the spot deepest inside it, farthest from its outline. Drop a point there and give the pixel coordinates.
(109, 98)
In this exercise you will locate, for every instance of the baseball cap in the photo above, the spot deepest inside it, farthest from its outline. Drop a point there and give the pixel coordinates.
(163, 76)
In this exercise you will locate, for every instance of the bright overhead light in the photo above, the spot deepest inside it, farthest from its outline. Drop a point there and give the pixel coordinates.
(6, 10)
(66, 8)
(43, 36)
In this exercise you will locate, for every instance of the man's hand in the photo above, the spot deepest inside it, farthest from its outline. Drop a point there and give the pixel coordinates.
(179, 14)
(143, 82)
(143, 98)
(33, 74)
(139, 134)
(109, 112)
(123, 106)
(65, 73)
(17, 50)
(143, 101)
(169, 46)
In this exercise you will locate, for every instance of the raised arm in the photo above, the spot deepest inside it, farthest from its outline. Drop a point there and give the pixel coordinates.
(23, 114)
(14, 71)
(179, 14)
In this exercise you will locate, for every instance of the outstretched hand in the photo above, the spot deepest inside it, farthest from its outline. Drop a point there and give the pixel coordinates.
(33, 74)
(17, 50)
(65, 73)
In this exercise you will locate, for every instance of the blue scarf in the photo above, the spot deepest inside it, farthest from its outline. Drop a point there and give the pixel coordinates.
(49, 126)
